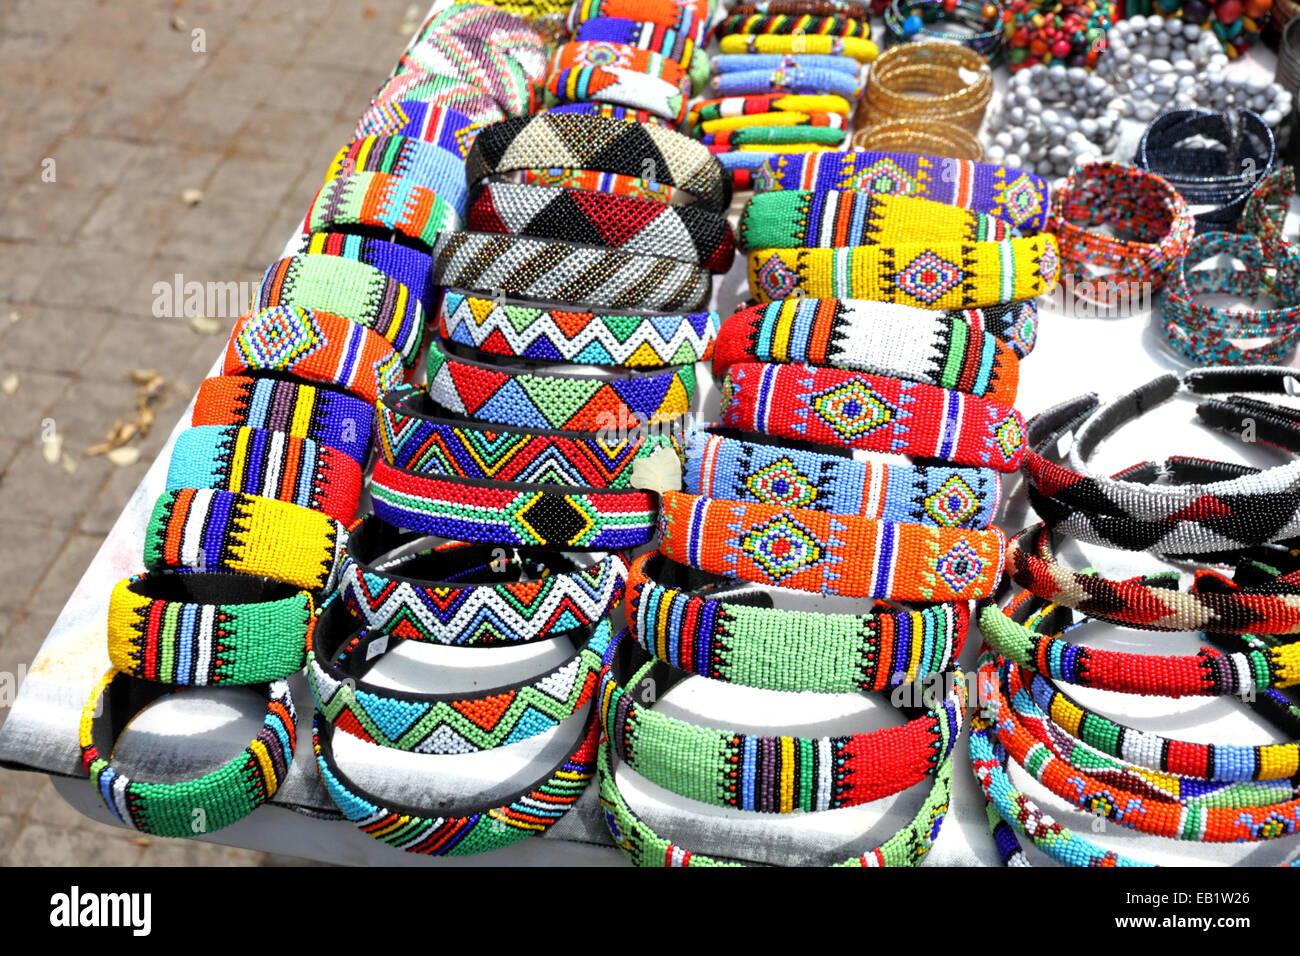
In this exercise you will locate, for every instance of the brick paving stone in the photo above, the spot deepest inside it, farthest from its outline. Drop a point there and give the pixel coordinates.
(9, 827)
(165, 852)
(18, 790)
(22, 568)
(88, 844)
(22, 412)
(53, 338)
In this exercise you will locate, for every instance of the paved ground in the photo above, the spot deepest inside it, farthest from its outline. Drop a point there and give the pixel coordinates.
(112, 110)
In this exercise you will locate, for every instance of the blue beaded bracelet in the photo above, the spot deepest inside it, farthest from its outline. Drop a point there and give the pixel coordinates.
(407, 265)
(742, 62)
(786, 80)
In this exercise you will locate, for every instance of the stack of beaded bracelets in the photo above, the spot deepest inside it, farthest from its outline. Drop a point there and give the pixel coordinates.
(978, 24)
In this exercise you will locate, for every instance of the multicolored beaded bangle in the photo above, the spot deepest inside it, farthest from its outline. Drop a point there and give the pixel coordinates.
(830, 554)
(401, 263)
(415, 434)
(939, 274)
(443, 126)
(771, 120)
(421, 830)
(329, 418)
(554, 333)
(686, 233)
(937, 348)
(535, 397)
(569, 141)
(627, 88)
(860, 48)
(774, 135)
(342, 654)
(690, 18)
(508, 31)
(508, 76)
(354, 290)
(464, 96)
(798, 79)
(425, 164)
(472, 595)
(231, 531)
(718, 465)
(655, 37)
(1019, 197)
(1128, 200)
(552, 271)
(383, 201)
(675, 617)
(859, 410)
(222, 797)
(766, 774)
(752, 108)
(317, 346)
(207, 629)
(577, 54)
(784, 24)
(595, 181)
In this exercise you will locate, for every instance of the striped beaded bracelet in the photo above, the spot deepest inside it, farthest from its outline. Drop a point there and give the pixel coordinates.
(765, 104)
(627, 88)
(689, 17)
(684, 618)
(786, 24)
(417, 435)
(342, 654)
(525, 268)
(945, 349)
(352, 289)
(425, 164)
(266, 463)
(525, 515)
(216, 799)
(831, 554)
(726, 124)
(329, 418)
(320, 347)
(472, 595)
(739, 63)
(860, 48)
(832, 219)
(872, 413)
(775, 137)
(797, 79)
(941, 274)
(231, 531)
(449, 129)
(718, 464)
(561, 333)
(401, 263)
(536, 397)
(605, 145)
(765, 774)
(643, 227)
(654, 37)
(193, 629)
(594, 181)
(1019, 197)
(382, 201)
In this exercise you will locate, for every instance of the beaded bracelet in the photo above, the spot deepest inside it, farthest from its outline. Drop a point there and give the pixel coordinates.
(727, 124)
(342, 654)
(688, 18)
(331, 419)
(317, 346)
(383, 201)
(216, 799)
(524, 330)
(686, 233)
(503, 90)
(577, 55)
(627, 88)
(927, 81)
(207, 629)
(606, 145)
(766, 774)
(401, 263)
(873, 413)
(821, 8)
(1265, 212)
(540, 398)
(509, 39)
(932, 139)
(526, 515)
(718, 465)
(936, 348)
(797, 79)
(754, 108)
(231, 531)
(448, 129)
(421, 830)
(415, 434)
(744, 62)
(464, 96)
(830, 554)
(676, 618)
(441, 171)
(774, 137)
(665, 41)
(979, 24)
(269, 464)
(594, 181)
(1019, 197)
(785, 24)
(472, 595)
(860, 48)
(548, 270)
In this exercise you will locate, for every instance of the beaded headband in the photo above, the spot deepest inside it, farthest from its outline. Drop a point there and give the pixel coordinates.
(382, 201)
(424, 164)
(226, 795)
(830, 554)
(207, 629)
(446, 128)
(860, 48)
(622, 87)
(408, 266)
(472, 595)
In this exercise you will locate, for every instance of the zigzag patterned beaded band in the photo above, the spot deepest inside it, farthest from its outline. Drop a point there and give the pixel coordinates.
(860, 48)
(675, 617)
(627, 88)
(767, 774)
(530, 516)
(417, 435)
(383, 201)
(859, 410)
(1019, 197)
(408, 266)
(227, 794)
(438, 170)
(317, 346)
(945, 349)
(721, 466)
(686, 233)
(945, 275)
(554, 333)
(443, 126)
(231, 531)
(469, 595)
(329, 418)
(830, 554)
(207, 629)
(550, 140)
(270, 464)
(540, 398)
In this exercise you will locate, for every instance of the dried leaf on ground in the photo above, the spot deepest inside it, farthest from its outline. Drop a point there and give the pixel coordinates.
(52, 448)
(124, 456)
(10, 384)
(204, 325)
(67, 463)
(192, 196)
